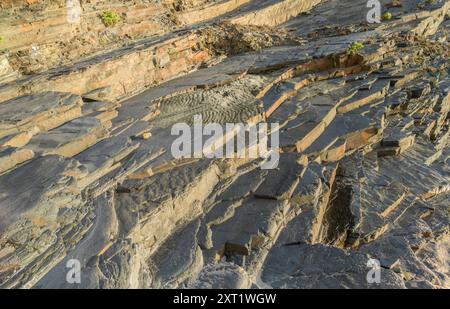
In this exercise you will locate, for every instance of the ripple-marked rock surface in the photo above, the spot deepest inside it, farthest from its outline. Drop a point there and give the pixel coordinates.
(87, 172)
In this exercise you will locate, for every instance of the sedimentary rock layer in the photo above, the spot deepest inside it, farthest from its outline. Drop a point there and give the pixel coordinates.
(87, 170)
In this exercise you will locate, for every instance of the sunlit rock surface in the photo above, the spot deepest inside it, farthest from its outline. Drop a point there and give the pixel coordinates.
(87, 174)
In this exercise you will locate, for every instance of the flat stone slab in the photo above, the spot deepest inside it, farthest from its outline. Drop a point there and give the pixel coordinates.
(104, 157)
(377, 92)
(35, 188)
(44, 110)
(11, 157)
(70, 138)
(281, 182)
(344, 127)
(318, 266)
(251, 226)
(364, 158)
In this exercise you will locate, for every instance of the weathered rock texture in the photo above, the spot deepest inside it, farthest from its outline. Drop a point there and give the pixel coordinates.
(86, 171)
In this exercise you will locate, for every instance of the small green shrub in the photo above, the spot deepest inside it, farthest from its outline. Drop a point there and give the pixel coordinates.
(104, 40)
(110, 18)
(387, 16)
(2, 39)
(354, 48)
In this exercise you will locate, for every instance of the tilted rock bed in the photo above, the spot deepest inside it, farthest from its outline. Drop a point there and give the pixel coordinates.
(86, 171)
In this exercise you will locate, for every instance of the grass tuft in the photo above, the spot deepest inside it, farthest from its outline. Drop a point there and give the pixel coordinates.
(110, 18)
(354, 48)
(387, 16)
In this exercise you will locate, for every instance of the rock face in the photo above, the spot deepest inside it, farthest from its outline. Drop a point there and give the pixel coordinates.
(87, 173)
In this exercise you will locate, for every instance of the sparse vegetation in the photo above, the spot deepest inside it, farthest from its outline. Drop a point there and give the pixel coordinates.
(387, 16)
(2, 39)
(354, 48)
(104, 40)
(110, 18)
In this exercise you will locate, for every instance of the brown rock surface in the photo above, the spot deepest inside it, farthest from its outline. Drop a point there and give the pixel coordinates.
(87, 172)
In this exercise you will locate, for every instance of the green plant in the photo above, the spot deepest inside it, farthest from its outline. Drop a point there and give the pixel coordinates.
(104, 40)
(354, 48)
(110, 18)
(387, 16)
(2, 39)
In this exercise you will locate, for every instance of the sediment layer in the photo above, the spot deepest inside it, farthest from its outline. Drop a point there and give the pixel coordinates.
(86, 170)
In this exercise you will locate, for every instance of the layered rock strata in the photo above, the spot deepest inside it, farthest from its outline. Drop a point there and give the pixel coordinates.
(86, 170)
